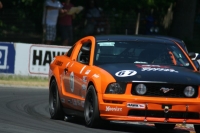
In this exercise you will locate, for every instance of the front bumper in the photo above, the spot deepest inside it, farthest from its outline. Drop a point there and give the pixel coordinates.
(149, 109)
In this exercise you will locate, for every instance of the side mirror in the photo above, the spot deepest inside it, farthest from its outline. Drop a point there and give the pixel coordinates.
(192, 55)
(197, 56)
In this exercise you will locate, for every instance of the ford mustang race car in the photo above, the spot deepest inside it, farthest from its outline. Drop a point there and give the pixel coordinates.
(126, 78)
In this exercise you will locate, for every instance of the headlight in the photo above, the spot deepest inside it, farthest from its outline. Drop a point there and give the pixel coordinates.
(140, 89)
(189, 91)
(116, 88)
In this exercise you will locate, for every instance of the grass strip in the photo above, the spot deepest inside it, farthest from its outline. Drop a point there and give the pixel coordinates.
(18, 80)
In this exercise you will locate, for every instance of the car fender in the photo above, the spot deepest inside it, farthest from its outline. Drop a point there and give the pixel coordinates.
(56, 76)
(96, 81)
(100, 82)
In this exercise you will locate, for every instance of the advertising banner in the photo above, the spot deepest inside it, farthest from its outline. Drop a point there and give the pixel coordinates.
(34, 59)
(40, 56)
(7, 57)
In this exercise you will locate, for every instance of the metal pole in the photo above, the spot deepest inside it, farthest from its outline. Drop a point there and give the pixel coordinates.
(137, 24)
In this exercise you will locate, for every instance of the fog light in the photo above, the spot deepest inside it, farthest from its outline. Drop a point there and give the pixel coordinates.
(189, 91)
(141, 89)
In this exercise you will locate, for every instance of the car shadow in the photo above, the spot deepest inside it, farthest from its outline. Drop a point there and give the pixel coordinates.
(127, 127)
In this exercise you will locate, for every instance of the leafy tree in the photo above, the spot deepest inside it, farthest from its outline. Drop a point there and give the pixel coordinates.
(183, 21)
(122, 14)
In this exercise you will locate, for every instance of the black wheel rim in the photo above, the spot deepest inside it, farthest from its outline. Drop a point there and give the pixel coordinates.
(89, 107)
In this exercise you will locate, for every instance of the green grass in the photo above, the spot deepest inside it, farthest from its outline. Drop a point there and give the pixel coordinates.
(23, 78)
(17, 80)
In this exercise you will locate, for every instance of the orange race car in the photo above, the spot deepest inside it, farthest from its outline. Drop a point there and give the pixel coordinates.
(126, 78)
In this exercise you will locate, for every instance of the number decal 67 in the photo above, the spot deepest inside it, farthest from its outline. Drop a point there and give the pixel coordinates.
(125, 73)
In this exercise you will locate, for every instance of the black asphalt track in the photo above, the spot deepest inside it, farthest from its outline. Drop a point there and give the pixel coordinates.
(25, 110)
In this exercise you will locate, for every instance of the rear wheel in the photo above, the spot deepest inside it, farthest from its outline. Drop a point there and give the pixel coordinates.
(163, 126)
(55, 107)
(91, 109)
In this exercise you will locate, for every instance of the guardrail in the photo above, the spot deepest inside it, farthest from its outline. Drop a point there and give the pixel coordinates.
(28, 59)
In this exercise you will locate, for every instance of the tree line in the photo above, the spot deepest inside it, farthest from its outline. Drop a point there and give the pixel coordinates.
(181, 25)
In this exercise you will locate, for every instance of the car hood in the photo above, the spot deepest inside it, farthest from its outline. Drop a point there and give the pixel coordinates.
(152, 73)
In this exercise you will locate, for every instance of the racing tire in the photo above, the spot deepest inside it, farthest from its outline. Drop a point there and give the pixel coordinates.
(55, 107)
(91, 110)
(162, 126)
(197, 128)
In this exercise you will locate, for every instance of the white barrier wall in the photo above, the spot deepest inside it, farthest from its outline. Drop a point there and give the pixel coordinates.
(34, 59)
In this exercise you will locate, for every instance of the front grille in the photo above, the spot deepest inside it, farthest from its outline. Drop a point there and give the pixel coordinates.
(153, 90)
(162, 114)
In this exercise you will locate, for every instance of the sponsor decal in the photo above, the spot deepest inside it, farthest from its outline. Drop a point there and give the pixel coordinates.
(72, 64)
(108, 108)
(165, 90)
(67, 64)
(125, 73)
(152, 66)
(84, 79)
(96, 76)
(71, 81)
(135, 105)
(156, 68)
(41, 56)
(76, 102)
(83, 91)
(82, 69)
(7, 58)
(87, 72)
(159, 69)
(58, 63)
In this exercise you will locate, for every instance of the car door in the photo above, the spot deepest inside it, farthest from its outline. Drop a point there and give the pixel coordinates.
(74, 81)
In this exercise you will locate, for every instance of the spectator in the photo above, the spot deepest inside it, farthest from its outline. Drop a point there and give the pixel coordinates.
(50, 16)
(152, 25)
(149, 22)
(65, 23)
(93, 15)
(1, 5)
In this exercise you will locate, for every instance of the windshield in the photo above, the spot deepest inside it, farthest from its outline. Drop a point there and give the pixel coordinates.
(140, 53)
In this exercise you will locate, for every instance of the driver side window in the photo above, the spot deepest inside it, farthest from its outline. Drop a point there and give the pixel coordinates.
(84, 53)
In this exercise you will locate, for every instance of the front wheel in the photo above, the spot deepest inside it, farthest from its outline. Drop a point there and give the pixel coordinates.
(163, 126)
(55, 107)
(91, 109)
